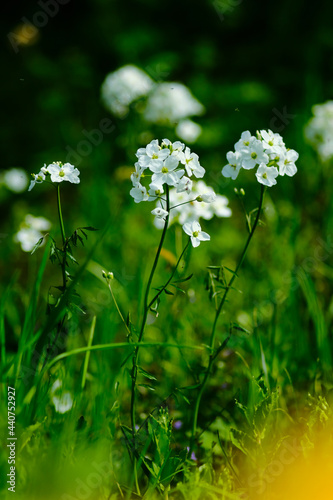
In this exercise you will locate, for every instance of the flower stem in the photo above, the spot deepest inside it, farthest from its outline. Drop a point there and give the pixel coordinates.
(212, 357)
(145, 313)
(63, 235)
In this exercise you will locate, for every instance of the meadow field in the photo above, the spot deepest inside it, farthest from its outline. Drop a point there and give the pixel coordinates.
(166, 244)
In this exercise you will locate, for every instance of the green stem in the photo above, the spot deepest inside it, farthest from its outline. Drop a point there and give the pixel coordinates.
(63, 235)
(217, 315)
(145, 313)
(172, 275)
(60, 216)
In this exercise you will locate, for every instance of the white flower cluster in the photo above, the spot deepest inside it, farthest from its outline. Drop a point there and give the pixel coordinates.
(167, 103)
(319, 130)
(267, 151)
(200, 202)
(173, 164)
(30, 231)
(58, 172)
(170, 102)
(124, 86)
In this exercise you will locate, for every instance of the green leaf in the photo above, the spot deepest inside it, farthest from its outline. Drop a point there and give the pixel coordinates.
(177, 288)
(146, 374)
(73, 259)
(236, 326)
(168, 292)
(89, 228)
(183, 279)
(38, 244)
(230, 270)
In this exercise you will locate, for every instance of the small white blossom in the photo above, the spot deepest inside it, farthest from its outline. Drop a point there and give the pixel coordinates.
(160, 213)
(254, 156)
(288, 167)
(245, 142)
(185, 184)
(207, 198)
(220, 206)
(193, 229)
(267, 175)
(233, 167)
(155, 191)
(136, 175)
(192, 165)
(139, 193)
(165, 172)
(30, 231)
(62, 400)
(153, 156)
(66, 172)
(271, 142)
(36, 178)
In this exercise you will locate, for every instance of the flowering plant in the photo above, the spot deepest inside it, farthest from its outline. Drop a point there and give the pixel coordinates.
(267, 152)
(173, 165)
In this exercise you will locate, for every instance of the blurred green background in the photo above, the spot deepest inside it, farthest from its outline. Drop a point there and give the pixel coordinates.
(253, 65)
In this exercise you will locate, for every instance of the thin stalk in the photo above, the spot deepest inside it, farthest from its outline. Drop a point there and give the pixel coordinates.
(63, 235)
(172, 275)
(145, 313)
(117, 307)
(212, 357)
(63, 272)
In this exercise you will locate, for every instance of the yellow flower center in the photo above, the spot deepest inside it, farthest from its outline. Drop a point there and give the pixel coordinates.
(264, 175)
(61, 173)
(165, 170)
(254, 155)
(196, 234)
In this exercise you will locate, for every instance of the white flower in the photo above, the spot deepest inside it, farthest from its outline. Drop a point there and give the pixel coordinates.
(171, 102)
(139, 193)
(288, 166)
(188, 130)
(62, 401)
(207, 198)
(136, 175)
(66, 172)
(185, 184)
(165, 172)
(36, 178)
(319, 130)
(15, 180)
(124, 86)
(254, 155)
(220, 206)
(193, 229)
(30, 231)
(271, 142)
(192, 165)
(153, 156)
(244, 142)
(176, 148)
(155, 191)
(160, 213)
(267, 175)
(233, 167)
(194, 210)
